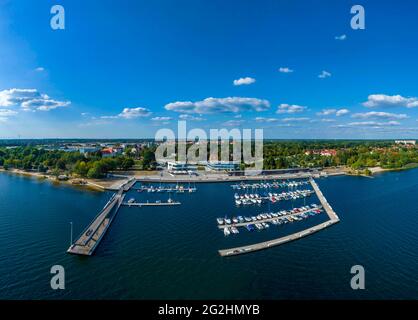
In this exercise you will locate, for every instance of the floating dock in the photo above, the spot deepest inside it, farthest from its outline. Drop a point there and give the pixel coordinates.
(144, 204)
(295, 236)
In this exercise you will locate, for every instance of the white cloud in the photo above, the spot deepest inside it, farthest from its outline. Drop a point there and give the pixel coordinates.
(161, 119)
(341, 37)
(324, 74)
(244, 81)
(285, 70)
(219, 105)
(266, 120)
(328, 120)
(5, 114)
(382, 115)
(286, 108)
(130, 113)
(233, 123)
(342, 112)
(372, 124)
(40, 69)
(331, 112)
(190, 117)
(384, 101)
(29, 100)
(295, 119)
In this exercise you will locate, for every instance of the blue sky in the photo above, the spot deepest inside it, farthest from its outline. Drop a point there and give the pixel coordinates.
(125, 69)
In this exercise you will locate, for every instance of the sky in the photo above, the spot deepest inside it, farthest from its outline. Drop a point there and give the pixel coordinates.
(125, 69)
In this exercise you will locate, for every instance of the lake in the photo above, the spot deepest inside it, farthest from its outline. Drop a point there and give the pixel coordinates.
(172, 252)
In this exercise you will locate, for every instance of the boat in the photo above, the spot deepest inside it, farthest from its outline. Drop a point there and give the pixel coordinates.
(227, 221)
(238, 202)
(220, 221)
(227, 232)
(234, 230)
(132, 200)
(234, 220)
(250, 227)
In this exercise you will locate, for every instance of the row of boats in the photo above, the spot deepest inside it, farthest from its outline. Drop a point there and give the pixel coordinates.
(172, 189)
(255, 198)
(261, 221)
(268, 185)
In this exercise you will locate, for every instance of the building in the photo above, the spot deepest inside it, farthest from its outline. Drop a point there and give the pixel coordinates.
(176, 167)
(406, 142)
(222, 166)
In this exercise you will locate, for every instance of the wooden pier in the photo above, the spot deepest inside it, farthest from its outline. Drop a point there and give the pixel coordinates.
(295, 236)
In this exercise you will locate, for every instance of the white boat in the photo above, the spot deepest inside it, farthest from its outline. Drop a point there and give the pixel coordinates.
(220, 221)
(237, 202)
(227, 232)
(234, 230)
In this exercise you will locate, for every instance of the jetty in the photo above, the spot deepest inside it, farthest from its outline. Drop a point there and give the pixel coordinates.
(90, 238)
(333, 218)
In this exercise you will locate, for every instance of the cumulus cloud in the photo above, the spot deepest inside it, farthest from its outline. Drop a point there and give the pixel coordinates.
(190, 117)
(285, 70)
(287, 108)
(29, 100)
(324, 74)
(40, 69)
(332, 112)
(342, 112)
(130, 113)
(381, 115)
(219, 105)
(386, 101)
(341, 37)
(244, 81)
(266, 120)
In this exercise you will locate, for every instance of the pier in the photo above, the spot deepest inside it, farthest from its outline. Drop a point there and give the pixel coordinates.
(91, 236)
(144, 204)
(333, 218)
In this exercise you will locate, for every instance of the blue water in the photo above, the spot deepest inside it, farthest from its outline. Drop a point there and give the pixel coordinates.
(171, 252)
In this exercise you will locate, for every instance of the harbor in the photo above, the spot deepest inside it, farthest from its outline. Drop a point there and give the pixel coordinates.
(333, 218)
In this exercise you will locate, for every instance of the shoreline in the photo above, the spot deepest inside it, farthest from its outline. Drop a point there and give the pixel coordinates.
(90, 185)
(113, 184)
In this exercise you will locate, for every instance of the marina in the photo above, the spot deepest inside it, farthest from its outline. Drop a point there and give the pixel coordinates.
(275, 217)
(333, 218)
(269, 185)
(255, 198)
(170, 189)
